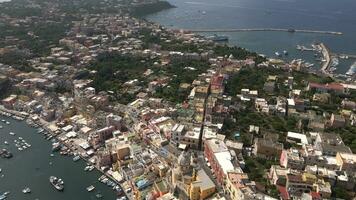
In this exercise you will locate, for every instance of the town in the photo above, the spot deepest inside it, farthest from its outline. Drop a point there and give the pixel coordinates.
(169, 114)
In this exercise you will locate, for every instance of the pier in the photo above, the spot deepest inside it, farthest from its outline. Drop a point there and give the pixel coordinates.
(326, 54)
(345, 55)
(268, 30)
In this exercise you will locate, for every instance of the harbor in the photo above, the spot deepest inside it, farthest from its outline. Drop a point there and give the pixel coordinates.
(31, 181)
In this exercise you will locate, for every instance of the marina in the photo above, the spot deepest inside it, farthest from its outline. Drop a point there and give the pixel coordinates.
(32, 181)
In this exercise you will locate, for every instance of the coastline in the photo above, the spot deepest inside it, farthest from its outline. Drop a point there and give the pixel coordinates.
(23, 116)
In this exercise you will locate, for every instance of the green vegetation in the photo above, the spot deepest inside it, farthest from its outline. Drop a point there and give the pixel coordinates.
(339, 192)
(180, 73)
(146, 9)
(267, 123)
(238, 53)
(348, 135)
(114, 69)
(250, 78)
(256, 169)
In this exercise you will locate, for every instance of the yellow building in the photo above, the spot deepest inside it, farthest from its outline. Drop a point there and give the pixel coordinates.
(309, 178)
(346, 161)
(236, 187)
(202, 187)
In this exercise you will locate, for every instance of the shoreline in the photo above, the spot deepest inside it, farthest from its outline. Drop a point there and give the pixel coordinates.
(23, 116)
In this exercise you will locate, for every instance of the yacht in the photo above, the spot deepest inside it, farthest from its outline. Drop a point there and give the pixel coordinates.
(76, 158)
(352, 70)
(26, 190)
(57, 183)
(56, 146)
(90, 188)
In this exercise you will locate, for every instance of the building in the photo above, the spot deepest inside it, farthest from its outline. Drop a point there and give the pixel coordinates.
(114, 120)
(346, 161)
(292, 159)
(337, 121)
(297, 138)
(238, 185)
(9, 101)
(267, 148)
(330, 144)
(201, 187)
(297, 186)
(219, 157)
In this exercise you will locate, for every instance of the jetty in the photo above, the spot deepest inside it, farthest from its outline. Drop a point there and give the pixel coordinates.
(327, 56)
(267, 30)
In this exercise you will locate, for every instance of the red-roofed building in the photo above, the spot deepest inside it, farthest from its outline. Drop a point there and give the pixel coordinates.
(329, 87)
(315, 196)
(283, 192)
(216, 83)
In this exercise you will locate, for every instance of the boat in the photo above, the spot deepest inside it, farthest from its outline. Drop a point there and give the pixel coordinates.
(4, 195)
(218, 38)
(86, 168)
(12, 133)
(99, 196)
(76, 158)
(0, 170)
(57, 183)
(277, 54)
(91, 167)
(1, 127)
(4, 153)
(56, 146)
(334, 62)
(26, 190)
(90, 188)
(6, 142)
(7, 123)
(285, 52)
(352, 70)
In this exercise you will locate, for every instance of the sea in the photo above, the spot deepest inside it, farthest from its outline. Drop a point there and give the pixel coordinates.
(33, 167)
(321, 15)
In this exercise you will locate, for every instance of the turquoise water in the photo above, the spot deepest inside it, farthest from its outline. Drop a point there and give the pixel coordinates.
(32, 168)
(327, 15)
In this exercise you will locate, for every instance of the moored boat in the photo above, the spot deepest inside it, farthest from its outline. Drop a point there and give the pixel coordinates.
(57, 183)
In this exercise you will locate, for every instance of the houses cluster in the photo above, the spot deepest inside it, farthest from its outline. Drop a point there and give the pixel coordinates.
(159, 150)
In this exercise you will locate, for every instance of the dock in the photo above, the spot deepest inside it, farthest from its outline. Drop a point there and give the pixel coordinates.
(327, 56)
(268, 30)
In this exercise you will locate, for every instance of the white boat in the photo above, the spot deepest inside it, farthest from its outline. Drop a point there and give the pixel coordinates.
(90, 188)
(1, 127)
(6, 142)
(277, 53)
(76, 158)
(91, 168)
(12, 133)
(26, 190)
(20, 149)
(7, 123)
(352, 70)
